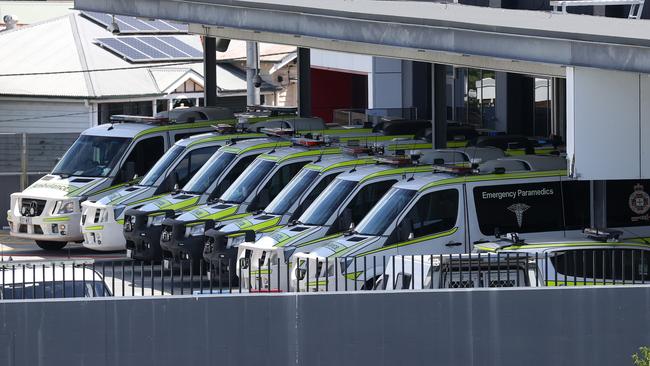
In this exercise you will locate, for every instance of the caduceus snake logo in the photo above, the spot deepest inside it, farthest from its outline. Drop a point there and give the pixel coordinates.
(518, 209)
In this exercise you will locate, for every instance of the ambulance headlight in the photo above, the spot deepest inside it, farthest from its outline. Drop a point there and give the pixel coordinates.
(117, 211)
(196, 230)
(288, 252)
(155, 220)
(65, 207)
(236, 240)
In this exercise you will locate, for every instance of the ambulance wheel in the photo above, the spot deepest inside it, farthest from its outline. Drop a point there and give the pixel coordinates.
(51, 245)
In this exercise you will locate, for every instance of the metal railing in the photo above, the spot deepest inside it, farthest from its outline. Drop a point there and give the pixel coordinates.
(588, 267)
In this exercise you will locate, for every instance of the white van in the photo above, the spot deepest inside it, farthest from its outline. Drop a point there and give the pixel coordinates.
(101, 161)
(447, 213)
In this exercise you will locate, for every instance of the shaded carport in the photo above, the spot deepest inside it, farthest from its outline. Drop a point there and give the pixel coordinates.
(587, 51)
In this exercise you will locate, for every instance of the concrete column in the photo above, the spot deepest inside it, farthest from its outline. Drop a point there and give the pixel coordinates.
(154, 107)
(252, 73)
(439, 106)
(304, 82)
(387, 83)
(501, 112)
(608, 123)
(210, 71)
(421, 89)
(521, 104)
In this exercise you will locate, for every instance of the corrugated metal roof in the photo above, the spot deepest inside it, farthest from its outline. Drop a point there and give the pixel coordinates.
(29, 12)
(67, 44)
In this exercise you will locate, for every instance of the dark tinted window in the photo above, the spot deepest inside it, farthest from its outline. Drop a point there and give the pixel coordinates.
(532, 207)
(628, 203)
(604, 264)
(367, 197)
(433, 213)
(320, 187)
(277, 182)
(232, 175)
(143, 156)
(186, 168)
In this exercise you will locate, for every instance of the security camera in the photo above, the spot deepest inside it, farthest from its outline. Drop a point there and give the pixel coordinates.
(113, 27)
(257, 82)
(10, 21)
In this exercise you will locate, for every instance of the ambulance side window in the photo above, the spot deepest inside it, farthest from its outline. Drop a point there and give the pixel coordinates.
(433, 213)
(142, 157)
(274, 185)
(232, 175)
(359, 206)
(532, 207)
(313, 194)
(186, 168)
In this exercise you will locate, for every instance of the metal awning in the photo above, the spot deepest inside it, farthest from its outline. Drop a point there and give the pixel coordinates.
(511, 40)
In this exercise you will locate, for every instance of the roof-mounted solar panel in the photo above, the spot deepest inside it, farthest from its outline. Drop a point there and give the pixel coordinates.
(132, 25)
(151, 49)
(122, 49)
(182, 46)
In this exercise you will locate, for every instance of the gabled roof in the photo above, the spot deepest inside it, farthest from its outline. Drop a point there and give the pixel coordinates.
(66, 44)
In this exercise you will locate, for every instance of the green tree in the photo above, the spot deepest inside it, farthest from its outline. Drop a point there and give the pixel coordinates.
(643, 359)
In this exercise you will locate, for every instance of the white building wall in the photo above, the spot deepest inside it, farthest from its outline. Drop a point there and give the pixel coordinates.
(608, 124)
(44, 116)
(341, 61)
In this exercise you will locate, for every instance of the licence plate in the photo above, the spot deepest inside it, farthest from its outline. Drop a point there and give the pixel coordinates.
(25, 220)
(167, 264)
(129, 253)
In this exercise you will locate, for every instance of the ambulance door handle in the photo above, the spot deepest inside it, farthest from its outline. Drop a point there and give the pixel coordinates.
(453, 244)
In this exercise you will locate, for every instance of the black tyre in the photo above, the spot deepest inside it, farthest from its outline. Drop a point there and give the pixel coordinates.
(51, 245)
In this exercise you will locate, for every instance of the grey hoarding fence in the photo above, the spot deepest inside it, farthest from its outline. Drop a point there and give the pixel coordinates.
(582, 267)
(584, 326)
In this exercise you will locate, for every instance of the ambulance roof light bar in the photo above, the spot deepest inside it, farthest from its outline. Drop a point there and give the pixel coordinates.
(602, 235)
(125, 118)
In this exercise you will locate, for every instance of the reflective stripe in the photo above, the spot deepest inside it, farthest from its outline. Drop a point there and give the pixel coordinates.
(316, 283)
(226, 138)
(92, 228)
(262, 225)
(181, 126)
(456, 144)
(205, 214)
(147, 199)
(410, 242)
(56, 219)
(319, 240)
(495, 177)
(113, 187)
(353, 276)
(409, 147)
(349, 163)
(306, 153)
(262, 272)
(416, 169)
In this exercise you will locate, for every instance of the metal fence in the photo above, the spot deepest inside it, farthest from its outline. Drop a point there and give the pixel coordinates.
(584, 267)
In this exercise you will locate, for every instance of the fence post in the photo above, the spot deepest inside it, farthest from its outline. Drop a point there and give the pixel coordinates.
(23, 162)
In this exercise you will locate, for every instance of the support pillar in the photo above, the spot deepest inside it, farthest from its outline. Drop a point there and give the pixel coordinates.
(439, 95)
(422, 89)
(210, 71)
(304, 82)
(252, 74)
(521, 104)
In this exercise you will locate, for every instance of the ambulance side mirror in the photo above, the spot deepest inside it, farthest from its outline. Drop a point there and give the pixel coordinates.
(128, 171)
(405, 230)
